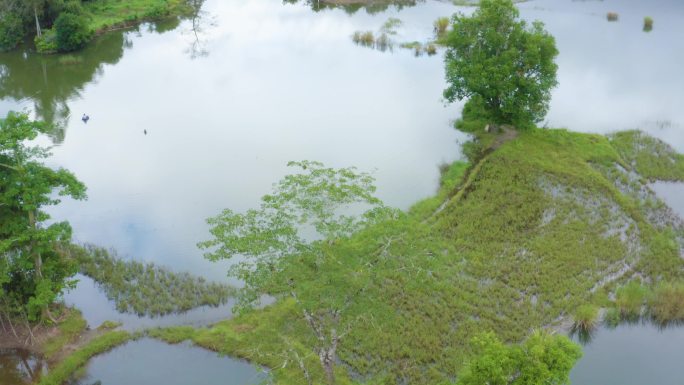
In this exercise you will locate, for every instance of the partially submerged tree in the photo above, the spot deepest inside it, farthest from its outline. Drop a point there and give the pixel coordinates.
(300, 231)
(504, 66)
(34, 272)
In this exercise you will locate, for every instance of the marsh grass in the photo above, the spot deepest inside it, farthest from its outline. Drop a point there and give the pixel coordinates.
(147, 289)
(69, 328)
(666, 303)
(441, 26)
(514, 240)
(630, 299)
(364, 38)
(648, 24)
(612, 16)
(586, 318)
(431, 49)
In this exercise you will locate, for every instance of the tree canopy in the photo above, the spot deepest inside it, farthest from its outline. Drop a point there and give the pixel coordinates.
(33, 271)
(296, 245)
(503, 65)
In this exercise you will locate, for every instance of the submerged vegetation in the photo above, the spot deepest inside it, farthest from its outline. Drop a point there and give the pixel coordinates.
(147, 289)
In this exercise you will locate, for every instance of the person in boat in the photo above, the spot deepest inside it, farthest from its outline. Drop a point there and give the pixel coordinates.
(85, 118)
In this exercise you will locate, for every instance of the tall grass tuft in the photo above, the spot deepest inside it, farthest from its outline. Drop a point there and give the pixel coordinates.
(666, 304)
(629, 300)
(612, 16)
(585, 318)
(441, 25)
(366, 39)
(648, 24)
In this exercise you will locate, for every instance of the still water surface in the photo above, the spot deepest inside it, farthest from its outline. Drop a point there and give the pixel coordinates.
(261, 83)
(147, 362)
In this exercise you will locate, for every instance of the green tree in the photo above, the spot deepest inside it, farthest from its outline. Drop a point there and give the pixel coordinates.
(542, 359)
(72, 31)
(300, 231)
(504, 66)
(34, 271)
(11, 29)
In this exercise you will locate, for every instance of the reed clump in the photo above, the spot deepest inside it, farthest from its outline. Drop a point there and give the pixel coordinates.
(586, 318)
(364, 38)
(648, 24)
(630, 299)
(440, 26)
(666, 304)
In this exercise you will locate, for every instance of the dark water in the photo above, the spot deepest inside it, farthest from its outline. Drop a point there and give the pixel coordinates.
(18, 366)
(229, 97)
(147, 362)
(632, 355)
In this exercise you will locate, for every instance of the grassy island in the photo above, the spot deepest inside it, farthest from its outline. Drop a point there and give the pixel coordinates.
(535, 228)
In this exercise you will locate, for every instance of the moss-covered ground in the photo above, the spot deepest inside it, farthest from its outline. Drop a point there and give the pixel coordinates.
(517, 240)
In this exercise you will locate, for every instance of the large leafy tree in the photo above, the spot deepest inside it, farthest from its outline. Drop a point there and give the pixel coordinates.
(297, 245)
(33, 270)
(542, 359)
(505, 66)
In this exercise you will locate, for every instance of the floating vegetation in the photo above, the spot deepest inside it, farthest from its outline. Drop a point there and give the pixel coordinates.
(648, 24)
(147, 289)
(612, 16)
(70, 60)
(366, 39)
(419, 48)
(381, 41)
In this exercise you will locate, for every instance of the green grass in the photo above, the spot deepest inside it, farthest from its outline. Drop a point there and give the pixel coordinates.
(630, 299)
(63, 371)
(520, 238)
(110, 14)
(69, 329)
(586, 318)
(666, 304)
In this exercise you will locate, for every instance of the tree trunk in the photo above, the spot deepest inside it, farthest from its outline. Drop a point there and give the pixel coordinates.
(35, 14)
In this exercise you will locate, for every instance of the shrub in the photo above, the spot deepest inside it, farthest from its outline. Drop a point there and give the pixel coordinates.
(47, 42)
(11, 31)
(72, 31)
(666, 305)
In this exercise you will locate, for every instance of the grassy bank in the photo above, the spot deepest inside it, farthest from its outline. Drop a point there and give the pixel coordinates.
(540, 228)
(105, 15)
(66, 368)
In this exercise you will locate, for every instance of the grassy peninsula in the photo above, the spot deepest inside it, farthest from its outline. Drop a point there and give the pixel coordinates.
(536, 226)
